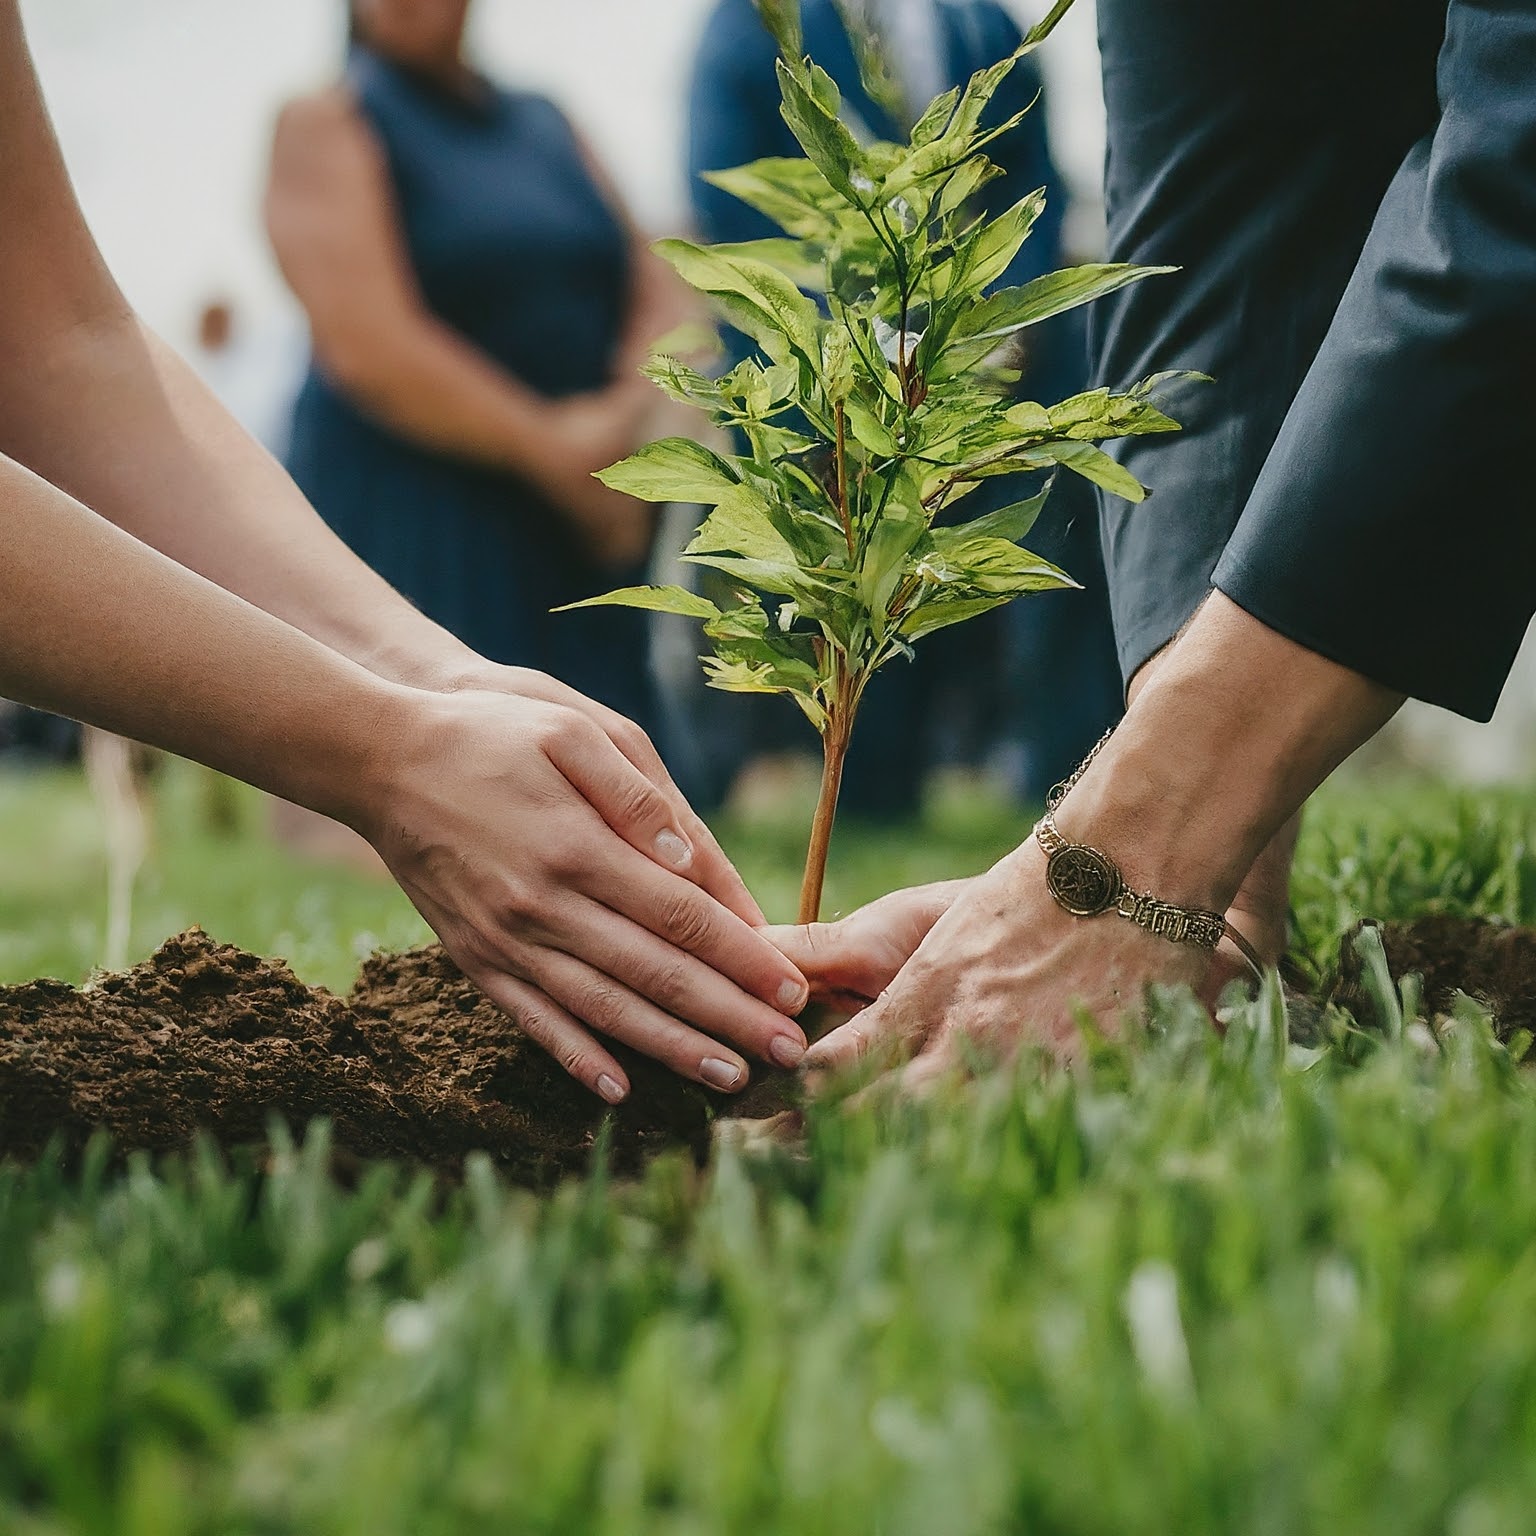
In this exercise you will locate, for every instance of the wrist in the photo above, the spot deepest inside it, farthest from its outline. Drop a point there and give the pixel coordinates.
(358, 775)
(1171, 830)
(441, 665)
(1219, 750)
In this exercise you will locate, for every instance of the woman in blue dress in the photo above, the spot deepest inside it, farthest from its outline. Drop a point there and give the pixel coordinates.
(478, 304)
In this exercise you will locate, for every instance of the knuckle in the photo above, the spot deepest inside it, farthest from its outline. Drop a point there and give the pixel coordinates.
(638, 801)
(565, 856)
(601, 1003)
(630, 739)
(554, 726)
(478, 956)
(669, 982)
(574, 1061)
(521, 905)
(568, 1054)
(546, 734)
(687, 921)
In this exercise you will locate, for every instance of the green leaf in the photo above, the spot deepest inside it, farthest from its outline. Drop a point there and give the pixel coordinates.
(1095, 465)
(1043, 28)
(875, 72)
(828, 144)
(782, 19)
(783, 578)
(791, 192)
(988, 565)
(745, 634)
(794, 259)
(932, 123)
(1032, 419)
(1000, 240)
(965, 182)
(736, 676)
(676, 600)
(1097, 414)
(869, 431)
(895, 536)
(1014, 308)
(741, 524)
(1010, 523)
(941, 613)
(682, 383)
(774, 305)
(673, 469)
(974, 100)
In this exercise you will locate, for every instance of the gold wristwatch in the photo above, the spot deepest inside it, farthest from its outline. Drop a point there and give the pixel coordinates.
(1087, 883)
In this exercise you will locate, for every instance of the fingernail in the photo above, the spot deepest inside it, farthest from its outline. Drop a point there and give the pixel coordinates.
(793, 996)
(674, 850)
(612, 1089)
(786, 1051)
(720, 1074)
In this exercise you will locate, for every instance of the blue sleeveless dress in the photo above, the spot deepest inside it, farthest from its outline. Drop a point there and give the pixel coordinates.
(515, 248)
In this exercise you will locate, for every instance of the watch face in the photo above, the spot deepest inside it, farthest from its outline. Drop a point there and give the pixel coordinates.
(1083, 880)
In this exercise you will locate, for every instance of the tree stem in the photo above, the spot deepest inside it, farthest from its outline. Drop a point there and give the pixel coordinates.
(834, 750)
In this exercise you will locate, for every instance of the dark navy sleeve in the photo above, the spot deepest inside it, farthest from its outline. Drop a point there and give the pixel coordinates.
(1392, 527)
(1250, 147)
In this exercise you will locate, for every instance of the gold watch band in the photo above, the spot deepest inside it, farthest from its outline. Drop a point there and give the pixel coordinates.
(1087, 883)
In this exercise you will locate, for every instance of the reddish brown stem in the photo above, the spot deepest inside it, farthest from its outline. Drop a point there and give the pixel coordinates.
(834, 750)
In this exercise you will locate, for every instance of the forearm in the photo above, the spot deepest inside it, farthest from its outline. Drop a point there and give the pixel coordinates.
(96, 625)
(113, 417)
(431, 386)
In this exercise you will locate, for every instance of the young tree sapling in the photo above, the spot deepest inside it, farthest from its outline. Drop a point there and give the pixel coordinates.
(871, 409)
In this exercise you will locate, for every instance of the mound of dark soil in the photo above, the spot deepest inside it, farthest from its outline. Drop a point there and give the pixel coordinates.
(414, 1064)
(1492, 962)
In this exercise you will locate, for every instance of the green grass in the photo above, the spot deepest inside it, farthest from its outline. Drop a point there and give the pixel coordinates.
(1203, 1285)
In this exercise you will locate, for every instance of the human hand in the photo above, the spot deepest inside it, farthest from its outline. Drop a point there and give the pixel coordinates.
(711, 869)
(849, 963)
(1005, 967)
(558, 876)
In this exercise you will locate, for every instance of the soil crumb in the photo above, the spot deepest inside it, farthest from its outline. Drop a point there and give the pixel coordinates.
(415, 1064)
(1492, 962)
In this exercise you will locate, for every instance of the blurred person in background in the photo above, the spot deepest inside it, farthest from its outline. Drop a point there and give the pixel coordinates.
(479, 304)
(1036, 683)
(164, 579)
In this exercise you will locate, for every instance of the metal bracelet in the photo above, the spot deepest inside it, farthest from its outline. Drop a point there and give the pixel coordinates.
(1087, 883)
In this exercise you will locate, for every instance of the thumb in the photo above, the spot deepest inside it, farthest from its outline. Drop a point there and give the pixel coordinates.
(839, 958)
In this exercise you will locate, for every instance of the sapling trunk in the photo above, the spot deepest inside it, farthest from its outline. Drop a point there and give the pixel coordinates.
(834, 755)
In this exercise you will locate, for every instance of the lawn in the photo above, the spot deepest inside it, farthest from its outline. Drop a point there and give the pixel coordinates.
(1202, 1285)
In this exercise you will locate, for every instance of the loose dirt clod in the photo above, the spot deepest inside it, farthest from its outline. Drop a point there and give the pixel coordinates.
(414, 1064)
(1491, 962)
